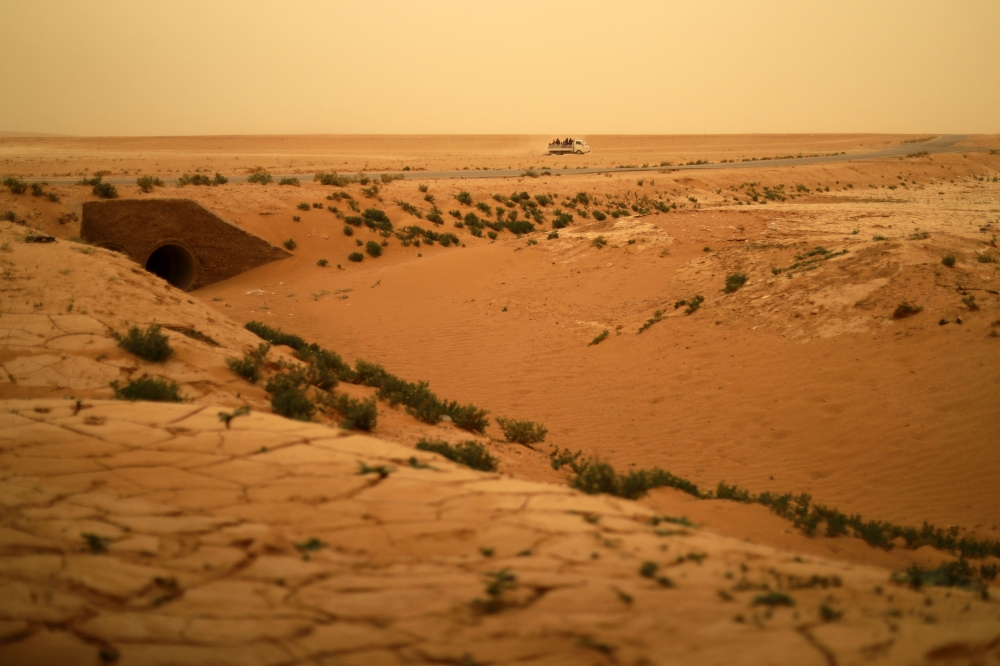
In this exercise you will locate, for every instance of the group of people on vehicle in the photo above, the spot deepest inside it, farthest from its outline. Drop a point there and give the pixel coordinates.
(557, 142)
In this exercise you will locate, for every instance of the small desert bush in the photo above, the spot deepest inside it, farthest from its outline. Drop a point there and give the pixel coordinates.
(906, 309)
(985, 259)
(149, 344)
(322, 263)
(464, 197)
(422, 187)
(376, 219)
(37, 190)
(105, 190)
(657, 316)
(734, 281)
(522, 432)
(373, 249)
(691, 303)
(594, 476)
(18, 186)
(249, 367)
(355, 220)
(970, 302)
(194, 179)
(303, 206)
(219, 179)
(409, 208)
(260, 177)
(358, 414)
(152, 389)
(147, 183)
(599, 216)
(562, 220)
(288, 395)
(348, 230)
(599, 242)
(355, 256)
(600, 338)
(456, 214)
(387, 178)
(290, 244)
(333, 178)
(275, 336)
(370, 192)
(543, 199)
(492, 235)
(293, 182)
(469, 453)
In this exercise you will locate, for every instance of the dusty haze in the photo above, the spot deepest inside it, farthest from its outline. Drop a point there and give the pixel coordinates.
(117, 68)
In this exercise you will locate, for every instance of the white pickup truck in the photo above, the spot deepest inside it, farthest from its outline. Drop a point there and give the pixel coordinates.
(576, 146)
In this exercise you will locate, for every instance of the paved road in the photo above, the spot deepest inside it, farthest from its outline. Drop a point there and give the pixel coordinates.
(942, 144)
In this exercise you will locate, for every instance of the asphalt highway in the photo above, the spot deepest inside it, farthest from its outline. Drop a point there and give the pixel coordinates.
(942, 144)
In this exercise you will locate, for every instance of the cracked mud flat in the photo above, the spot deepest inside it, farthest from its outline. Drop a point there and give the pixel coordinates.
(263, 544)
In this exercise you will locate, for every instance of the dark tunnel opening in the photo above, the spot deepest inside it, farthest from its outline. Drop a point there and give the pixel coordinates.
(174, 264)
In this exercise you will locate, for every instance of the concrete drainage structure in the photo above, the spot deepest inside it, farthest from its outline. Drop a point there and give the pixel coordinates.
(177, 239)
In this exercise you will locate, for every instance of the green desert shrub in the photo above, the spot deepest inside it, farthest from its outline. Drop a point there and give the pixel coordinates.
(469, 453)
(522, 432)
(288, 395)
(906, 309)
(464, 197)
(595, 476)
(562, 220)
(376, 219)
(358, 414)
(303, 206)
(600, 338)
(105, 190)
(219, 179)
(456, 214)
(333, 178)
(373, 248)
(657, 316)
(275, 336)
(18, 186)
(734, 281)
(348, 230)
(543, 199)
(599, 216)
(354, 220)
(322, 263)
(290, 244)
(290, 181)
(355, 256)
(194, 179)
(260, 177)
(152, 389)
(147, 183)
(249, 367)
(149, 343)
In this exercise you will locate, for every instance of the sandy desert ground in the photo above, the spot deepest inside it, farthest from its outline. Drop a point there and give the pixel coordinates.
(804, 380)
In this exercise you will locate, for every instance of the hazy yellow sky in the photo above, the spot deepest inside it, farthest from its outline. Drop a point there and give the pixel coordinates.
(310, 67)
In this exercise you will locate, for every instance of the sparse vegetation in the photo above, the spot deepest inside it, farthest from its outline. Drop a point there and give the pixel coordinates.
(469, 453)
(249, 367)
(657, 316)
(600, 338)
(151, 389)
(147, 183)
(691, 303)
(734, 281)
(348, 230)
(906, 309)
(355, 256)
(288, 395)
(599, 242)
(303, 206)
(259, 176)
(373, 249)
(150, 343)
(289, 243)
(358, 414)
(948, 260)
(594, 476)
(522, 432)
(294, 182)
(464, 198)
(970, 303)
(105, 190)
(322, 263)
(18, 186)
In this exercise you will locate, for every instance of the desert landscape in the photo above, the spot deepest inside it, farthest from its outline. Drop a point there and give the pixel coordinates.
(725, 415)
(513, 333)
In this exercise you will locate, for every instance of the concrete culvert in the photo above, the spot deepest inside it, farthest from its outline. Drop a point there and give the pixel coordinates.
(174, 264)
